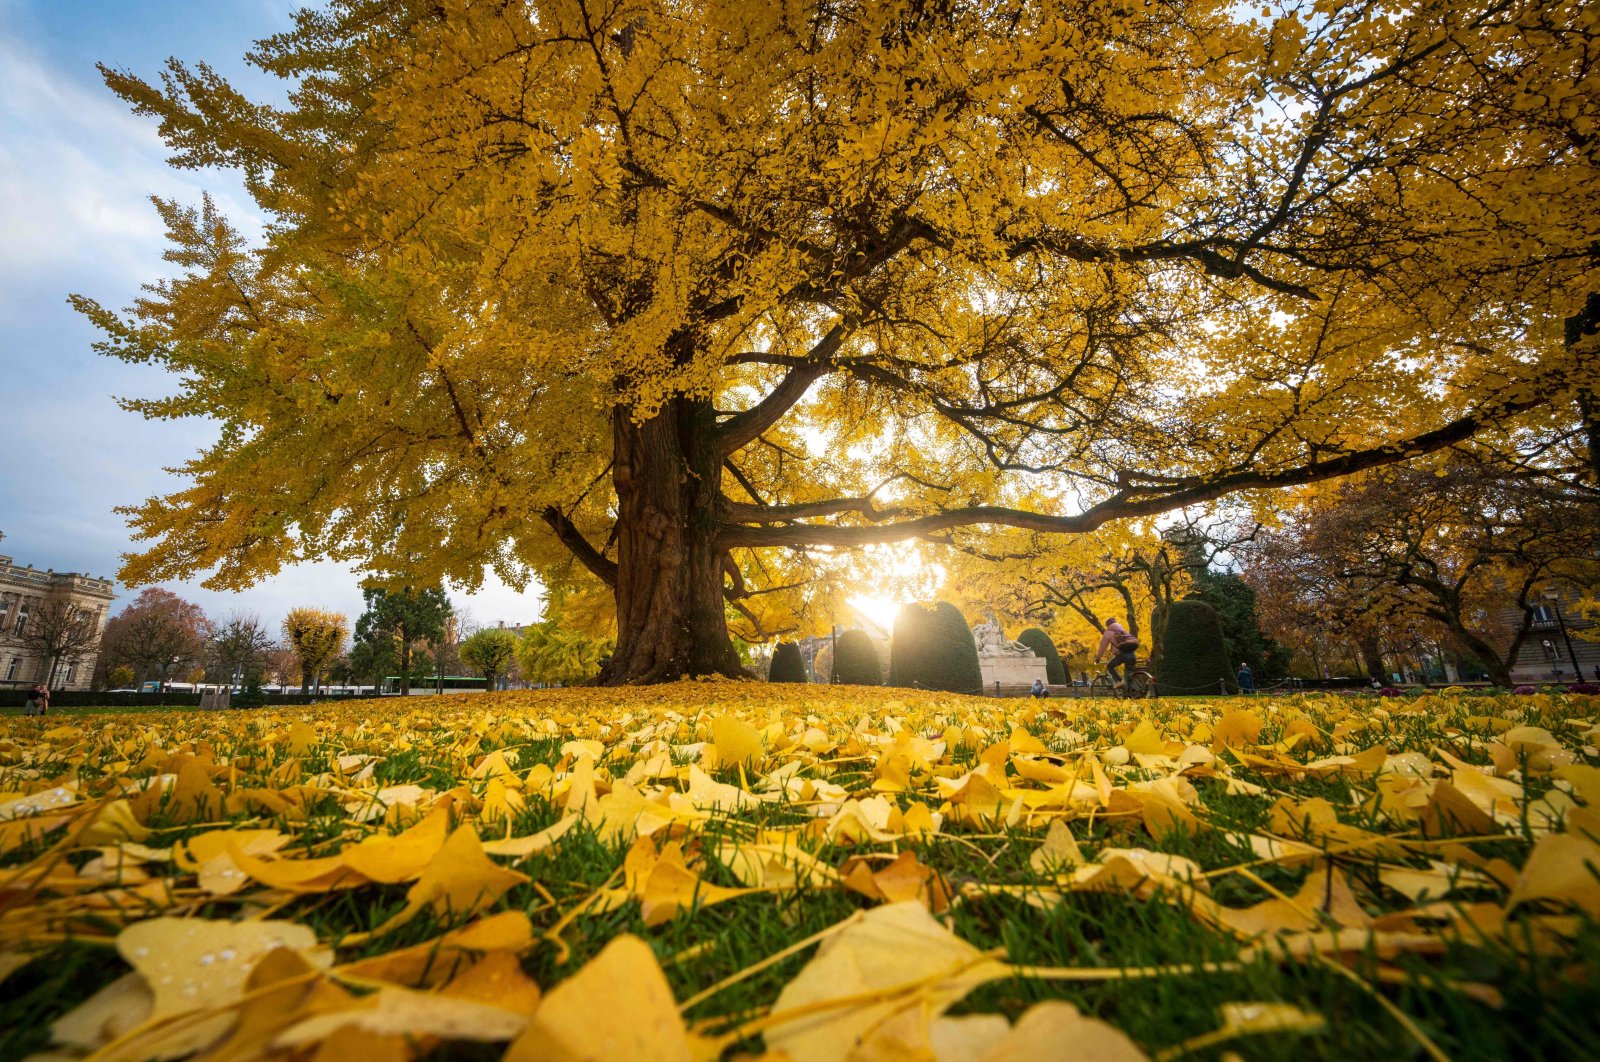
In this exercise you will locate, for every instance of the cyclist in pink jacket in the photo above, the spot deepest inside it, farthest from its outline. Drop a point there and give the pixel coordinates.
(1122, 644)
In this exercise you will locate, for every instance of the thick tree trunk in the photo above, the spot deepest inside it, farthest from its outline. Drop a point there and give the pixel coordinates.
(1372, 659)
(1499, 669)
(671, 619)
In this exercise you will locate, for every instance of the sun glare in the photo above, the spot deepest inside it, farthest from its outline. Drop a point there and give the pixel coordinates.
(880, 610)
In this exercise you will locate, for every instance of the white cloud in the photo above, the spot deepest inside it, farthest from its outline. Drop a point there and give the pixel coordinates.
(77, 169)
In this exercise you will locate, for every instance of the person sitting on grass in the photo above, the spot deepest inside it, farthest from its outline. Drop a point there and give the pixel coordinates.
(1121, 644)
(1038, 688)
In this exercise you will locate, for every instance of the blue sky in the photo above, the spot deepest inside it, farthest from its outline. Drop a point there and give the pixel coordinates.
(76, 172)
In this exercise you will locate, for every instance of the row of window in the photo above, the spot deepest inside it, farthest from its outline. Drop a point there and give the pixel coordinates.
(15, 666)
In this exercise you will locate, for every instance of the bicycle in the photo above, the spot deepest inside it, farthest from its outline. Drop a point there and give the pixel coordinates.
(1140, 684)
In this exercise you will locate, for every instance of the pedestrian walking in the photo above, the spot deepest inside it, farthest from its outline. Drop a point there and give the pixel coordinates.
(1247, 678)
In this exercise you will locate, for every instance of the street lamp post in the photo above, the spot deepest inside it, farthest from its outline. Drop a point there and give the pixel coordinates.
(1553, 596)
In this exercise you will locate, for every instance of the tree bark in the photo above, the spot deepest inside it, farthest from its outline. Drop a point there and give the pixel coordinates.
(671, 619)
(1499, 669)
(1372, 659)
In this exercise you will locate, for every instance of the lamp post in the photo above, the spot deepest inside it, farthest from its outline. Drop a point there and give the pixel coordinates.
(1553, 596)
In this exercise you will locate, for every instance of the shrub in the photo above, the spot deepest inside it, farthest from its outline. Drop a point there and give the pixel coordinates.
(856, 660)
(908, 645)
(787, 664)
(1524, 691)
(933, 650)
(1195, 658)
(252, 696)
(1040, 643)
(1583, 687)
(550, 653)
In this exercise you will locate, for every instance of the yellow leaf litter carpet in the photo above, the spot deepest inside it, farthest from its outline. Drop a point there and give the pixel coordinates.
(731, 870)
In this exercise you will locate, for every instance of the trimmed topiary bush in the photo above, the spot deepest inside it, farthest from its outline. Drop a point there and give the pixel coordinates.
(1195, 657)
(1040, 643)
(908, 645)
(787, 664)
(933, 649)
(953, 655)
(856, 660)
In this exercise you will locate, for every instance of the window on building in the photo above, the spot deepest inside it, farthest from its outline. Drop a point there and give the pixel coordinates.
(1550, 650)
(22, 620)
(1543, 614)
(11, 672)
(72, 673)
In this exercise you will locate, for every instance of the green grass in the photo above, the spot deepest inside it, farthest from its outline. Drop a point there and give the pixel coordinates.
(1551, 997)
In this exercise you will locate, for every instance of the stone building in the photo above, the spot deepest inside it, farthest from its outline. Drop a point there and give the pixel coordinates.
(1552, 652)
(23, 591)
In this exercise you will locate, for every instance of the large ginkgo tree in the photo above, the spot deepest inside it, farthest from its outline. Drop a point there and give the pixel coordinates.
(680, 295)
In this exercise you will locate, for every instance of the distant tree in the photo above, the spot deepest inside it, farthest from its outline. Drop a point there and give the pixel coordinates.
(1042, 645)
(282, 666)
(238, 646)
(1466, 556)
(1196, 660)
(406, 616)
(59, 632)
(787, 664)
(372, 660)
(316, 636)
(156, 635)
(121, 677)
(490, 652)
(856, 661)
(1235, 602)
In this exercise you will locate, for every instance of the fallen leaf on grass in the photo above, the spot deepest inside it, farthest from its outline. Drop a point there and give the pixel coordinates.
(459, 881)
(1562, 868)
(617, 1007)
(194, 963)
(439, 960)
(868, 972)
(903, 879)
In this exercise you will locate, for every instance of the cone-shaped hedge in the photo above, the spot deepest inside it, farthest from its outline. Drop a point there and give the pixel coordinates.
(1040, 643)
(934, 650)
(856, 660)
(908, 645)
(1195, 656)
(787, 664)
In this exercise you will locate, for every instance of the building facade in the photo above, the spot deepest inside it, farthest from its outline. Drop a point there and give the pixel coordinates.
(1552, 651)
(23, 592)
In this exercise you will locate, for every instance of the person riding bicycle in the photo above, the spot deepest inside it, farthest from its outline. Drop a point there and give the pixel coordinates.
(1122, 644)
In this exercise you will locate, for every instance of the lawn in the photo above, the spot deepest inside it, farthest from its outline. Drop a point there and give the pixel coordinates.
(721, 869)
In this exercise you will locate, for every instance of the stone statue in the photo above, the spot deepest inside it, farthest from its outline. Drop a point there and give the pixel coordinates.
(991, 640)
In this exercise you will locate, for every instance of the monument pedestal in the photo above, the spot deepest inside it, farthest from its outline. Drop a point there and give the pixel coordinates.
(1011, 669)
